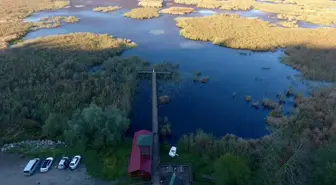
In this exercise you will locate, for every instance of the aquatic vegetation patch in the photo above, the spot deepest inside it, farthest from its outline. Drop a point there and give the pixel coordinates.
(241, 33)
(106, 8)
(314, 63)
(12, 14)
(313, 11)
(288, 24)
(227, 5)
(53, 22)
(143, 13)
(151, 3)
(175, 10)
(307, 11)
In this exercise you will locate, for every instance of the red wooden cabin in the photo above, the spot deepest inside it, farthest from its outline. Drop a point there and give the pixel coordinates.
(141, 160)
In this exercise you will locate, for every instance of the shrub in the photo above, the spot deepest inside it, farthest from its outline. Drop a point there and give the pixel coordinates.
(96, 128)
(231, 169)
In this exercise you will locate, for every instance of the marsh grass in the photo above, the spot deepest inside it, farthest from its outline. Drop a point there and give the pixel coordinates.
(151, 3)
(289, 24)
(53, 22)
(315, 64)
(313, 11)
(177, 10)
(12, 14)
(227, 5)
(143, 13)
(106, 8)
(242, 33)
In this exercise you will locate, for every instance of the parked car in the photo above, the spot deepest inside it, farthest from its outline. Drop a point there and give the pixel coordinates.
(64, 163)
(46, 164)
(74, 162)
(31, 166)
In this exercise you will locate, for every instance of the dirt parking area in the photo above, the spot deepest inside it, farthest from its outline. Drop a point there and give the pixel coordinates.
(11, 173)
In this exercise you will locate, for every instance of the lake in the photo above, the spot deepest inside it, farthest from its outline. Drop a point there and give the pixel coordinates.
(209, 106)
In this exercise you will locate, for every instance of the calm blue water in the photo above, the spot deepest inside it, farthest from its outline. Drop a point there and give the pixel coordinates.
(210, 106)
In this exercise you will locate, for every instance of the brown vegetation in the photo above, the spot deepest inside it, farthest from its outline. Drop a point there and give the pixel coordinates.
(151, 3)
(79, 41)
(106, 8)
(314, 11)
(53, 22)
(289, 24)
(314, 63)
(242, 33)
(12, 14)
(178, 10)
(269, 104)
(227, 5)
(164, 99)
(248, 98)
(143, 13)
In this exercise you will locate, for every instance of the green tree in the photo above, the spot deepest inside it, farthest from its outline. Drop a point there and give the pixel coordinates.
(232, 170)
(96, 128)
(325, 172)
(54, 126)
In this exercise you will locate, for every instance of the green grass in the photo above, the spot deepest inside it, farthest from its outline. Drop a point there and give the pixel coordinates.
(107, 164)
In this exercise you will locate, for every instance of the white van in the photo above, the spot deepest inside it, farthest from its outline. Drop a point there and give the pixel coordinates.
(31, 166)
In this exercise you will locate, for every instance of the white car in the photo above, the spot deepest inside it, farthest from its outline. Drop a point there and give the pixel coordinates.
(74, 162)
(46, 164)
(64, 163)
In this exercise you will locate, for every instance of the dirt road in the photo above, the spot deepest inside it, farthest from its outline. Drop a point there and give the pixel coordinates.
(11, 173)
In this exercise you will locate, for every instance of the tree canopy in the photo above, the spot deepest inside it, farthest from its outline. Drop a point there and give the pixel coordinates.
(231, 170)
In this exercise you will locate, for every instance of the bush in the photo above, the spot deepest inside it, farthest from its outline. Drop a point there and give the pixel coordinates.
(96, 128)
(232, 170)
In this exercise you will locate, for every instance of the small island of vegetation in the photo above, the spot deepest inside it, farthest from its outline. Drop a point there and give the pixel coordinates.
(143, 13)
(175, 10)
(53, 22)
(106, 8)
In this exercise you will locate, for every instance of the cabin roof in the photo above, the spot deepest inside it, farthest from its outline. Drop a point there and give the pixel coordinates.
(136, 161)
(145, 140)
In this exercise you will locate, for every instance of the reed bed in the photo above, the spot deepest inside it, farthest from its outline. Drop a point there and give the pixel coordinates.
(12, 14)
(313, 11)
(289, 24)
(106, 9)
(178, 10)
(242, 33)
(53, 22)
(143, 13)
